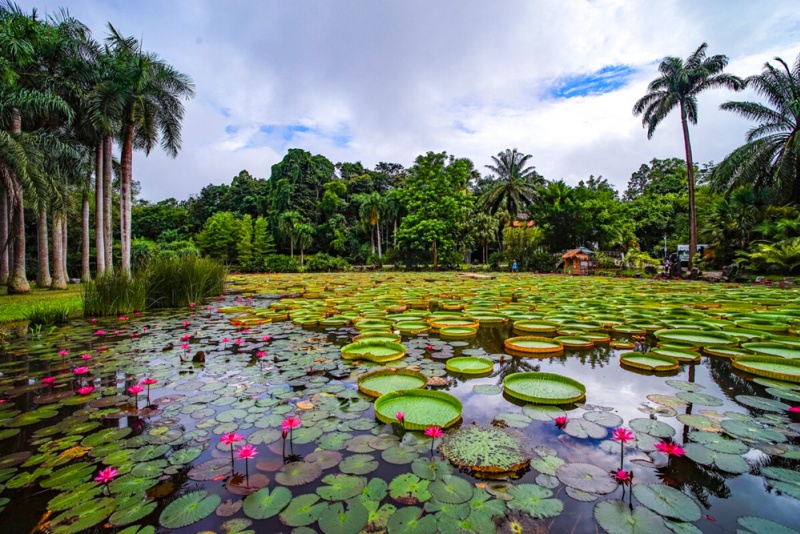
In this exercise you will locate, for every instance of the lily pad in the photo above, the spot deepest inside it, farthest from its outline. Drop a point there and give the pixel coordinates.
(409, 520)
(586, 477)
(615, 517)
(189, 509)
(264, 504)
(298, 473)
(422, 409)
(340, 487)
(336, 520)
(667, 501)
(544, 388)
(534, 500)
(485, 449)
(581, 428)
(409, 489)
(376, 383)
(759, 525)
(451, 489)
(302, 510)
(469, 365)
(358, 464)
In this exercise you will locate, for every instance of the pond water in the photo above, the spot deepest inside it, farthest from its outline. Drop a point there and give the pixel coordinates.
(742, 442)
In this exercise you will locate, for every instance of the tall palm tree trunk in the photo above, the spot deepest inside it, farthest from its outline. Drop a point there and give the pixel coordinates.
(394, 234)
(43, 248)
(99, 212)
(378, 230)
(108, 177)
(690, 171)
(86, 273)
(125, 199)
(18, 278)
(59, 275)
(4, 243)
(372, 242)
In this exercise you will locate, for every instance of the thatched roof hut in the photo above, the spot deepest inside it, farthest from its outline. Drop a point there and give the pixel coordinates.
(578, 261)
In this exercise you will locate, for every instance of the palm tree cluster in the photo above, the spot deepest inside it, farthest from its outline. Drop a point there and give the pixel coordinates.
(65, 99)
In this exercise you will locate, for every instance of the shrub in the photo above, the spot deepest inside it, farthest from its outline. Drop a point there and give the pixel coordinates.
(321, 263)
(174, 281)
(544, 262)
(142, 251)
(281, 263)
(373, 260)
(115, 293)
(43, 314)
(494, 260)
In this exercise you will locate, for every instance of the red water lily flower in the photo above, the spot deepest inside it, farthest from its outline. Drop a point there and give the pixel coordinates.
(794, 409)
(191, 304)
(100, 333)
(400, 416)
(434, 432)
(623, 435)
(185, 337)
(670, 448)
(561, 421)
(86, 356)
(85, 390)
(80, 370)
(291, 422)
(149, 381)
(135, 390)
(63, 352)
(622, 476)
(107, 475)
(48, 381)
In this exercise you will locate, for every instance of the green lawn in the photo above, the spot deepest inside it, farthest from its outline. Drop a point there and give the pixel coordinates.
(15, 307)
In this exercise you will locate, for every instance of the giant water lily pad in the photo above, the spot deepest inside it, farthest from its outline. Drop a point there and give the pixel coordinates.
(667, 501)
(376, 383)
(374, 351)
(544, 388)
(533, 345)
(784, 369)
(486, 449)
(469, 365)
(421, 409)
(189, 509)
(648, 362)
(615, 517)
(586, 477)
(696, 337)
(779, 350)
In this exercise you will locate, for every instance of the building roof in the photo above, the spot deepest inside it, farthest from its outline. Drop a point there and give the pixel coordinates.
(580, 253)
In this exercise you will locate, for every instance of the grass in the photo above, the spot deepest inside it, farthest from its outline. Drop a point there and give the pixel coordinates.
(18, 307)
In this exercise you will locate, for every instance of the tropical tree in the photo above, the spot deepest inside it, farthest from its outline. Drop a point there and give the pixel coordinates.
(770, 159)
(515, 186)
(144, 94)
(287, 224)
(678, 86)
(372, 207)
(304, 235)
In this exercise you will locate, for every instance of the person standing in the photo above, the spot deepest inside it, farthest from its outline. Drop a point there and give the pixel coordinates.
(514, 267)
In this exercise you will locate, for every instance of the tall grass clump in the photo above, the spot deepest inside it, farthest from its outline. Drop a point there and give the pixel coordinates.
(115, 293)
(174, 281)
(45, 314)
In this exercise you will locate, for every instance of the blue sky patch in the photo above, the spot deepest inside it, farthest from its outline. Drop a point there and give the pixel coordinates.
(231, 129)
(281, 135)
(603, 81)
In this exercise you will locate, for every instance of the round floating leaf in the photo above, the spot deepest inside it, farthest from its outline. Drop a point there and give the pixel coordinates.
(487, 449)
(302, 510)
(534, 500)
(667, 501)
(487, 389)
(547, 465)
(581, 496)
(586, 477)
(341, 487)
(375, 490)
(699, 398)
(264, 504)
(785, 480)
(451, 489)
(336, 520)
(719, 442)
(210, 470)
(653, 427)
(422, 408)
(700, 422)
(135, 512)
(544, 388)
(399, 455)
(189, 509)
(359, 464)
(409, 489)
(430, 469)
(131, 485)
(298, 473)
(615, 517)
(759, 525)
(751, 430)
(606, 419)
(83, 516)
(541, 412)
(324, 459)
(409, 520)
(768, 405)
(581, 428)
(184, 456)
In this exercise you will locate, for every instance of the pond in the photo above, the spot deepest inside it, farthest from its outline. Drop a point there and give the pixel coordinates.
(174, 421)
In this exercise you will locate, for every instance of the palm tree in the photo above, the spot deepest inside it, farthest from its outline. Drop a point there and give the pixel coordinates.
(144, 93)
(771, 156)
(287, 223)
(515, 186)
(678, 86)
(372, 208)
(484, 227)
(304, 235)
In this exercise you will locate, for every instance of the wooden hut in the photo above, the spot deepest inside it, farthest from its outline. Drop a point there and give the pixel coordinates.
(579, 261)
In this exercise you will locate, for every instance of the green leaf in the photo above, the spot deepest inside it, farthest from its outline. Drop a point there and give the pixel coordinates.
(667, 501)
(302, 510)
(760, 525)
(586, 477)
(336, 520)
(130, 514)
(535, 500)
(264, 504)
(341, 487)
(82, 517)
(409, 489)
(616, 518)
(358, 464)
(409, 520)
(298, 473)
(189, 509)
(451, 489)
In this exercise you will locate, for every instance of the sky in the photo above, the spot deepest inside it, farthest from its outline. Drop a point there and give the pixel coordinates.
(373, 80)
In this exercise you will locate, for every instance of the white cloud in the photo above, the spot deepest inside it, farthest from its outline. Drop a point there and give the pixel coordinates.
(375, 81)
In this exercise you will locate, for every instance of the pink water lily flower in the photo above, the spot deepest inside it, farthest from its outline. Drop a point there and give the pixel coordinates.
(106, 476)
(238, 341)
(185, 346)
(434, 432)
(134, 334)
(80, 370)
(225, 340)
(100, 333)
(261, 354)
(191, 304)
(265, 338)
(123, 318)
(246, 452)
(670, 448)
(186, 323)
(85, 390)
(291, 422)
(86, 356)
(186, 337)
(149, 381)
(623, 476)
(63, 352)
(48, 381)
(135, 390)
(230, 439)
(623, 435)
(400, 416)
(94, 319)
(794, 409)
(561, 421)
